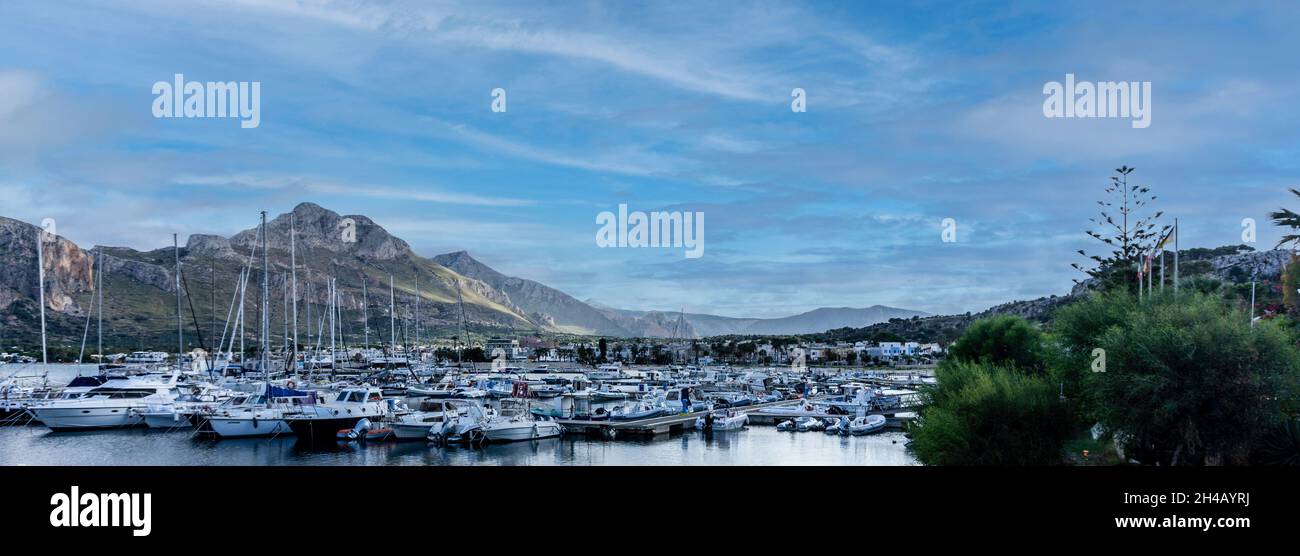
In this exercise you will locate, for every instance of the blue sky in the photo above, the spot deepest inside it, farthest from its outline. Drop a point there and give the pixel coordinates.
(917, 112)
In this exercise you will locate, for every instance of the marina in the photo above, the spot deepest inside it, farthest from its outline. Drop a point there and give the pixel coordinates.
(340, 397)
(752, 438)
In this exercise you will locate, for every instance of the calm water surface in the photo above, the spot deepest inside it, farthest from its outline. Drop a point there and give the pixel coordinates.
(754, 445)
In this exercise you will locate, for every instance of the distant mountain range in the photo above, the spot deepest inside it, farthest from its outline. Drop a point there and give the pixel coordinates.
(704, 325)
(140, 292)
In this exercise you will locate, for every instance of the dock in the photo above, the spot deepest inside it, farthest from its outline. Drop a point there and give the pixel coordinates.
(653, 426)
(668, 424)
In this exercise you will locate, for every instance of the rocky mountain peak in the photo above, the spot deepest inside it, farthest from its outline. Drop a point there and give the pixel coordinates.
(320, 228)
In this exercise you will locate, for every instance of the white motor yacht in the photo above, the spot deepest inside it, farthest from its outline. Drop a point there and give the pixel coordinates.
(112, 404)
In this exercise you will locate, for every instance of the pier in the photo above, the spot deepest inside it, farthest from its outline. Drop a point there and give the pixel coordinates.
(685, 421)
(654, 425)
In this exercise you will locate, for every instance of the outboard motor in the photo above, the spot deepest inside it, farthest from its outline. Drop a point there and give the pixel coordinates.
(358, 431)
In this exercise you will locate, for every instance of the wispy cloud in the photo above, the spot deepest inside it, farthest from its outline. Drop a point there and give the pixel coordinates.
(316, 185)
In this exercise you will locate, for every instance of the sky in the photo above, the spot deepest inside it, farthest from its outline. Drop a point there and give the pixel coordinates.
(916, 112)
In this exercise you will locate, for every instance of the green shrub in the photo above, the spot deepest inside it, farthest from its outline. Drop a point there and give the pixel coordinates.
(1187, 380)
(979, 414)
(1002, 340)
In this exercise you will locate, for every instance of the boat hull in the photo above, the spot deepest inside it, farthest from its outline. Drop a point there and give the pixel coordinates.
(322, 428)
(405, 431)
(61, 419)
(246, 427)
(515, 433)
(166, 420)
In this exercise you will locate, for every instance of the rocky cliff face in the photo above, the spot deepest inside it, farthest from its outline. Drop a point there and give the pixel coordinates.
(68, 269)
(1238, 265)
(1264, 264)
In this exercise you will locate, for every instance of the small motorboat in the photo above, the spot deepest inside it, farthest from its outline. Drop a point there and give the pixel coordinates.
(722, 421)
(598, 414)
(865, 425)
(787, 425)
(439, 390)
(641, 411)
(835, 428)
(731, 399)
(549, 413)
(417, 425)
(804, 424)
(366, 431)
(468, 393)
(607, 395)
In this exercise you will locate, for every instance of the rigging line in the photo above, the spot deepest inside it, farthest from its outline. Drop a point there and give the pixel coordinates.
(198, 330)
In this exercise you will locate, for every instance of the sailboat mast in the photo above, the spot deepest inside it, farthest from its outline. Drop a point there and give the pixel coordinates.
(286, 319)
(392, 316)
(40, 276)
(460, 301)
(310, 291)
(417, 311)
(365, 309)
(100, 294)
(243, 317)
(212, 278)
(180, 330)
(266, 301)
(332, 325)
(293, 270)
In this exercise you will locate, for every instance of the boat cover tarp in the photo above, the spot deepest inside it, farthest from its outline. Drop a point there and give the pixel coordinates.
(86, 381)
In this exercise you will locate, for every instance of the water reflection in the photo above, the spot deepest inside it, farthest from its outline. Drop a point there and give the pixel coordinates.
(754, 445)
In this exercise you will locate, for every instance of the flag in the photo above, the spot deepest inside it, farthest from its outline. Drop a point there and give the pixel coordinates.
(1164, 240)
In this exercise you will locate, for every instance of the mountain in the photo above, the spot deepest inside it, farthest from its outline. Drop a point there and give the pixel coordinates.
(827, 318)
(704, 325)
(591, 317)
(358, 254)
(139, 300)
(566, 313)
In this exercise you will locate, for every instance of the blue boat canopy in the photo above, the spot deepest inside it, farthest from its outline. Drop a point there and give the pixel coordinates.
(277, 392)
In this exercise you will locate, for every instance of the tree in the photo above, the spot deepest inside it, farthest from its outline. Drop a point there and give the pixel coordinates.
(1291, 285)
(475, 355)
(1125, 232)
(1186, 380)
(586, 355)
(1286, 218)
(990, 404)
(1001, 340)
(982, 414)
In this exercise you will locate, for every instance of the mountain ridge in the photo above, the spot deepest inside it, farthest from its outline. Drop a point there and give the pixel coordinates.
(360, 256)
